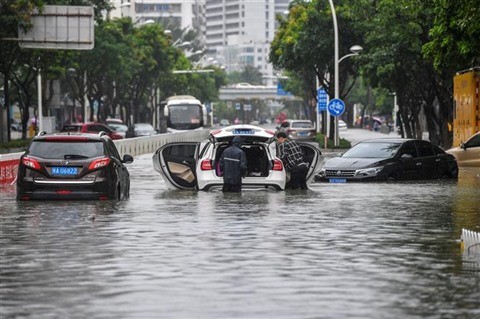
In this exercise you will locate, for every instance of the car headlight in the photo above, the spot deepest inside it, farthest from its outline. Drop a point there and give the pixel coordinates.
(371, 171)
(322, 172)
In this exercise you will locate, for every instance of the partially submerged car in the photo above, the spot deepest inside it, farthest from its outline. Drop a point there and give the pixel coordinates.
(194, 165)
(390, 159)
(468, 153)
(73, 166)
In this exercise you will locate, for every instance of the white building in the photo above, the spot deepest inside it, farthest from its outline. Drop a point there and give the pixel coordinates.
(180, 13)
(237, 33)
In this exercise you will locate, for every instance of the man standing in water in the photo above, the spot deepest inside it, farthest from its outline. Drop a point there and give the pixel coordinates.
(292, 158)
(233, 164)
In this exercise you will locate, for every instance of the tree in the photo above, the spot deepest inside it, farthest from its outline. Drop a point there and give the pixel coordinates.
(304, 44)
(455, 35)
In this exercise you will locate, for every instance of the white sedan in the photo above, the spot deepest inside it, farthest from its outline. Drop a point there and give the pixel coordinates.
(194, 165)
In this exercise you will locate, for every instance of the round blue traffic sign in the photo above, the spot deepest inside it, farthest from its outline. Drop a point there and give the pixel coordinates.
(336, 107)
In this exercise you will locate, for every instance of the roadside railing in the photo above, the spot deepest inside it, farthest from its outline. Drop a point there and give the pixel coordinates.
(470, 242)
(133, 146)
(470, 245)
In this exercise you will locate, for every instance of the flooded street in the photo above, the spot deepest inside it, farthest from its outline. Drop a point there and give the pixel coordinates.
(377, 250)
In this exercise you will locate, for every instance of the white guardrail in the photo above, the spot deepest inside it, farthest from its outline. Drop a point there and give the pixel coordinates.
(470, 242)
(149, 144)
(133, 146)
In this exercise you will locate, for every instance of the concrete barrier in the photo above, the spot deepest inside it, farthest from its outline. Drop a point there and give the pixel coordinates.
(133, 146)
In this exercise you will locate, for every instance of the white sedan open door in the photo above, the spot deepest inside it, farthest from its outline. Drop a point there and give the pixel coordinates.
(313, 157)
(177, 163)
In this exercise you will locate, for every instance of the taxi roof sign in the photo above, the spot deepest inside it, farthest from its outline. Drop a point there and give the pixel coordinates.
(60, 27)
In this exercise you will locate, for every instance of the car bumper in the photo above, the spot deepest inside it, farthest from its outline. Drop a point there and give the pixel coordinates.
(95, 191)
(208, 180)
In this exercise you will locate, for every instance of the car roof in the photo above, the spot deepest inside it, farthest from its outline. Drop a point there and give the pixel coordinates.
(72, 137)
(388, 140)
(243, 130)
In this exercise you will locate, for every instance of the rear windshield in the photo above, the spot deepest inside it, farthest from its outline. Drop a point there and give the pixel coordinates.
(302, 125)
(66, 150)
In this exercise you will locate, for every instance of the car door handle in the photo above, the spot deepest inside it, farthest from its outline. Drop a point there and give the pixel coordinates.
(419, 164)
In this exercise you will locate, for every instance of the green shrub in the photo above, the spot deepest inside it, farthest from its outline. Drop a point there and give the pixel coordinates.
(14, 146)
(330, 143)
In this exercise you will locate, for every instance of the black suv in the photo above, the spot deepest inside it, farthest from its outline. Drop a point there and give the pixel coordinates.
(73, 166)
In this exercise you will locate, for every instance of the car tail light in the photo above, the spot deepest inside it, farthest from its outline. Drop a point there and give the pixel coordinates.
(206, 165)
(31, 163)
(270, 132)
(102, 197)
(216, 132)
(277, 165)
(99, 163)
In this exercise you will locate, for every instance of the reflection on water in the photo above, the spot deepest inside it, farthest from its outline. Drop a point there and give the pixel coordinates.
(386, 250)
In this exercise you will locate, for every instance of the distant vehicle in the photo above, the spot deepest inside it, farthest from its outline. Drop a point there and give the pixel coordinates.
(194, 165)
(468, 153)
(184, 112)
(114, 121)
(224, 122)
(390, 159)
(342, 126)
(91, 127)
(119, 128)
(73, 166)
(15, 126)
(303, 130)
(141, 129)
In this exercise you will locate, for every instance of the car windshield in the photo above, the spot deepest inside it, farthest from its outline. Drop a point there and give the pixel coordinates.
(302, 125)
(144, 127)
(118, 127)
(186, 116)
(372, 150)
(66, 150)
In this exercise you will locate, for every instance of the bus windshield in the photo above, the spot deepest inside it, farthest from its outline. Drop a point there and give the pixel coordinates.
(185, 116)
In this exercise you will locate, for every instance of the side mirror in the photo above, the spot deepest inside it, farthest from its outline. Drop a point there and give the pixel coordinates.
(406, 157)
(127, 159)
(463, 146)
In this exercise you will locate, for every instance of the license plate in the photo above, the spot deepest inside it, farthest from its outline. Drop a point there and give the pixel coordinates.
(63, 170)
(337, 180)
(303, 133)
(243, 132)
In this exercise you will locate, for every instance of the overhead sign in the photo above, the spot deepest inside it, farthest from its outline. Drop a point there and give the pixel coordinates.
(281, 91)
(322, 100)
(60, 27)
(336, 107)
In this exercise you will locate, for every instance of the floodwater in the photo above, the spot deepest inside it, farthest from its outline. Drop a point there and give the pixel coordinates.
(386, 250)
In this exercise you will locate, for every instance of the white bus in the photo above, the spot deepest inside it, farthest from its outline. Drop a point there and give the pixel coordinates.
(184, 112)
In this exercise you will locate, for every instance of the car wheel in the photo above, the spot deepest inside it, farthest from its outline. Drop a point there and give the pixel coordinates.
(391, 178)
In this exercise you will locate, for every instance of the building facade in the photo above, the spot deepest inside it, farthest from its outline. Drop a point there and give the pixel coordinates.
(237, 33)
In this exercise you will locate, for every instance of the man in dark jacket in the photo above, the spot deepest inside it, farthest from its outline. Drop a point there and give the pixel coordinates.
(292, 158)
(233, 164)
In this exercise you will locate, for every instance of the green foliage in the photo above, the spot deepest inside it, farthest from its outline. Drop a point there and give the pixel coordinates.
(249, 74)
(455, 35)
(14, 146)
(343, 143)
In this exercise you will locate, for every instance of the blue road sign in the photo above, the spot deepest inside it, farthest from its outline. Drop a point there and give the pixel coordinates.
(322, 100)
(281, 91)
(336, 107)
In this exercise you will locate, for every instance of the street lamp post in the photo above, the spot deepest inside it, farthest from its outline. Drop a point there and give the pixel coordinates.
(355, 51)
